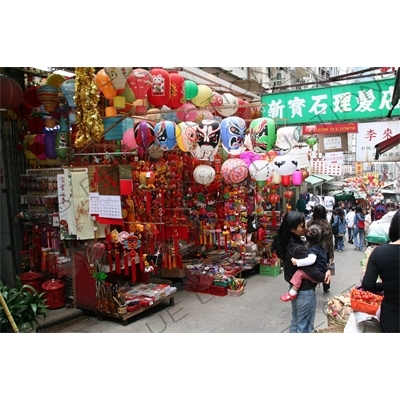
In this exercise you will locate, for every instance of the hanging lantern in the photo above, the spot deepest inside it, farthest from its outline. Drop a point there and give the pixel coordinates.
(187, 112)
(191, 90)
(113, 128)
(160, 91)
(234, 170)
(177, 95)
(144, 134)
(216, 101)
(241, 109)
(274, 198)
(208, 138)
(262, 134)
(233, 132)
(288, 194)
(118, 76)
(204, 174)
(203, 97)
(311, 141)
(104, 84)
(229, 105)
(186, 136)
(285, 180)
(166, 135)
(48, 96)
(276, 178)
(140, 82)
(68, 90)
(128, 139)
(55, 80)
(287, 137)
(297, 178)
(305, 174)
(11, 93)
(260, 170)
(30, 96)
(285, 165)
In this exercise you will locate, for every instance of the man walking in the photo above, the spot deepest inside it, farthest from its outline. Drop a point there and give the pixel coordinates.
(350, 223)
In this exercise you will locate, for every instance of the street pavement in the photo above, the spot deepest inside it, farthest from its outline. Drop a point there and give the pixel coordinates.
(258, 310)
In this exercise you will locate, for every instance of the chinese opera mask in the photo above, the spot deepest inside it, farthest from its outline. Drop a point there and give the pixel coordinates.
(263, 134)
(165, 133)
(208, 136)
(233, 131)
(186, 136)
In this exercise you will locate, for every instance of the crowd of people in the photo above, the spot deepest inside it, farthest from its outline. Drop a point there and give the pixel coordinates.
(306, 250)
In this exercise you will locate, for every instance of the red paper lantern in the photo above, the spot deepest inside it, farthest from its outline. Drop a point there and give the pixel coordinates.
(177, 95)
(140, 82)
(305, 174)
(241, 109)
(285, 180)
(160, 91)
(30, 96)
(289, 194)
(274, 198)
(11, 94)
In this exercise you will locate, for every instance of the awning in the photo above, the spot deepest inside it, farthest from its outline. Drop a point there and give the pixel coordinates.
(325, 178)
(313, 180)
(386, 145)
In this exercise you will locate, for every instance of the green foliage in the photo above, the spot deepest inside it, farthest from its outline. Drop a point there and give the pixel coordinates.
(25, 305)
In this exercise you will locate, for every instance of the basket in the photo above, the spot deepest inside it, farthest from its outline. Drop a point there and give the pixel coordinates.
(221, 283)
(54, 293)
(33, 279)
(332, 329)
(268, 270)
(235, 293)
(218, 290)
(336, 322)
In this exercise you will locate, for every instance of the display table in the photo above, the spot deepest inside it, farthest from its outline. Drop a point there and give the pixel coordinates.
(366, 326)
(125, 317)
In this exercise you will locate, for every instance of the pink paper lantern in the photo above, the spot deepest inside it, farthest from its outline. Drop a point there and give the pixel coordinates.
(129, 139)
(297, 178)
(234, 170)
(188, 113)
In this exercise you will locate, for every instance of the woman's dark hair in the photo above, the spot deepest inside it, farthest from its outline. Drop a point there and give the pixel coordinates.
(394, 229)
(319, 212)
(291, 220)
(359, 210)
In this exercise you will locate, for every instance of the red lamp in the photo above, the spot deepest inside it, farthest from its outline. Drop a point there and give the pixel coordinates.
(140, 82)
(160, 91)
(11, 94)
(177, 95)
(288, 194)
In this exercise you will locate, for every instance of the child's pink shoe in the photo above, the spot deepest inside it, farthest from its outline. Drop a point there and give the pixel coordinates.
(288, 297)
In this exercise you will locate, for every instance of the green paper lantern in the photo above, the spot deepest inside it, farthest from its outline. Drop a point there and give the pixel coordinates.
(191, 90)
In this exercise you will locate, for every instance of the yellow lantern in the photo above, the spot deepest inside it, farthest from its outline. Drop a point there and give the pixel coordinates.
(203, 97)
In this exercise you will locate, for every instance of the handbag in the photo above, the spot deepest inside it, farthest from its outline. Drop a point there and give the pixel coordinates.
(360, 224)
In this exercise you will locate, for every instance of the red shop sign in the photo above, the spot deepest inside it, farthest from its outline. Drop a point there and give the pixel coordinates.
(321, 129)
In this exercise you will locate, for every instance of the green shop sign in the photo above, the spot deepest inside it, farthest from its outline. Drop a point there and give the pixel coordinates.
(354, 102)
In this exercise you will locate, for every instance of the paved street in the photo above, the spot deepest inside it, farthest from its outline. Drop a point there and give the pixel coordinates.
(258, 310)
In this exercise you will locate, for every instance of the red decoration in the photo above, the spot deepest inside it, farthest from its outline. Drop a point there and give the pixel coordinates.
(30, 96)
(288, 194)
(11, 94)
(305, 174)
(241, 109)
(160, 91)
(285, 180)
(140, 82)
(177, 95)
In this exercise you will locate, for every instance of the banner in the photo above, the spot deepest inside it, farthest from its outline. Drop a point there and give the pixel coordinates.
(353, 102)
(372, 133)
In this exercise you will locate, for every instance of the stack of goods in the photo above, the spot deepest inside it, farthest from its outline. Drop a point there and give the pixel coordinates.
(364, 301)
(338, 312)
(236, 287)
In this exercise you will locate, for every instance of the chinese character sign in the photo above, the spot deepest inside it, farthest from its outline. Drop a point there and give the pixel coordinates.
(372, 133)
(354, 102)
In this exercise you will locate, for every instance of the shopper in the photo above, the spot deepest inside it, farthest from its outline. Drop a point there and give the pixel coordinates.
(359, 226)
(350, 224)
(383, 263)
(287, 244)
(340, 222)
(316, 256)
(320, 218)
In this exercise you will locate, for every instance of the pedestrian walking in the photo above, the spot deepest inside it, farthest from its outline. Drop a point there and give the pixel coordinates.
(350, 224)
(359, 226)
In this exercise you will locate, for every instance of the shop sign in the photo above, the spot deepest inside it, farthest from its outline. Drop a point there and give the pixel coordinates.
(334, 158)
(320, 166)
(353, 102)
(351, 127)
(372, 133)
(359, 168)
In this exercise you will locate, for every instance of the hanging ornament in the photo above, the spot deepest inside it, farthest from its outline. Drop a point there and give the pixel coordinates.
(204, 174)
(160, 91)
(262, 133)
(233, 132)
(140, 81)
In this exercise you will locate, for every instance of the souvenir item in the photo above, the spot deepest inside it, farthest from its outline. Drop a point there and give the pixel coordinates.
(233, 131)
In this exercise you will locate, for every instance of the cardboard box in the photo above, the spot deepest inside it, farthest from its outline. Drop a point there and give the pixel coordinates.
(173, 273)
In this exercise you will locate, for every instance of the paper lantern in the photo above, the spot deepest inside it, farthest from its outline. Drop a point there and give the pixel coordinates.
(262, 134)
(118, 76)
(285, 165)
(128, 139)
(11, 93)
(203, 97)
(186, 136)
(204, 114)
(288, 194)
(37, 146)
(274, 198)
(30, 96)
(204, 174)
(285, 180)
(233, 132)
(230, 105)
(208, 138)
(187, 112)
(50, 143)
(234, 170)
(140, 82)
(144, 134)
(311, 141)
(287, 137)
(177, 95)
(105, 85)
(68, 90)
(48, 97)
(128, 94)
(166, 135)
(155, 152)
(160, 91)
(276, 178)
(191, 90)
(241, 105)
(216, 100)
(260, 170)
(55, 80)
(113, 128)
(297, 178)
